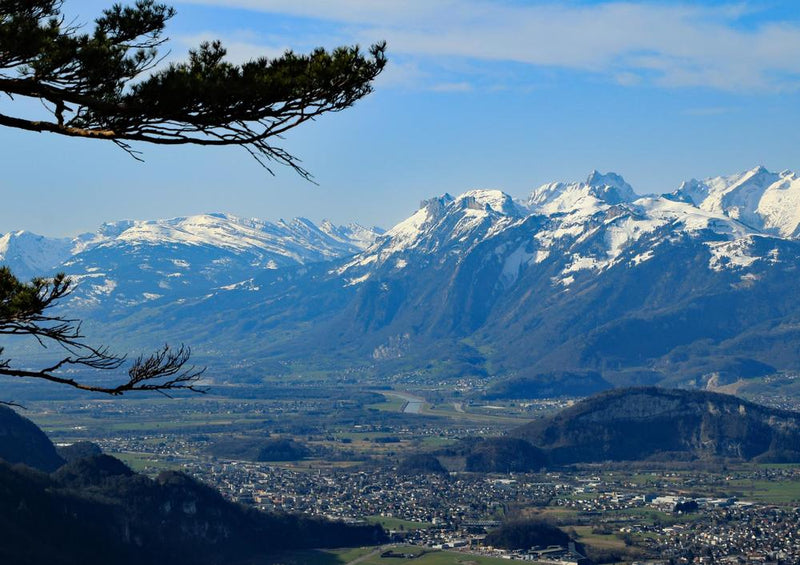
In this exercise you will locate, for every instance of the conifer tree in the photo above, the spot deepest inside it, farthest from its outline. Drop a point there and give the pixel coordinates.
(105, 83)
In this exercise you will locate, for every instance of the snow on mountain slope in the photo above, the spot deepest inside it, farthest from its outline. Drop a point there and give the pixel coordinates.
(298, 241)
(759, 198)
(463, 214)
(441, 225)
(627, 278)
(599, 237)
(589, 226)
(577, 227)
(687, 218)
(29, 255)
(582, 198)
(353, 233)
(131, 262)
(671, 220)
(780, 206)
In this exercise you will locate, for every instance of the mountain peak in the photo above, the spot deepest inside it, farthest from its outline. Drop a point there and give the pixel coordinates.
(597, 179)
(761, 174)
(437, 203)
(352, 233)
(599, 190)
(489, 200)
(29, 254)
(757, 197)
(610, 187)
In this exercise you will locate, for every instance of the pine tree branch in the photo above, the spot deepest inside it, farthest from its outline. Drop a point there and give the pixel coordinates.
(90, 83)
(23, 312)
(164, 370)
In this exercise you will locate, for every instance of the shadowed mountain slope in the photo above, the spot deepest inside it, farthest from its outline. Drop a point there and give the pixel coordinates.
(646, 423)
(95, 510)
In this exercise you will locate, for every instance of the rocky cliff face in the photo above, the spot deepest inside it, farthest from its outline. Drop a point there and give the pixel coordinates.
(638, 424)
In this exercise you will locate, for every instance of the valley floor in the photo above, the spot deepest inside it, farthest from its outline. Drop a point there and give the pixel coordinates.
(357, 440)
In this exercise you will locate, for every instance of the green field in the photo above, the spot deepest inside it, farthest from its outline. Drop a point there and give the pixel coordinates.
(433, 557)
(144, 462)
(372, 556)
(437, 442)
(397, 523)
(319, 556)
(602, 541)
(771, 492)
(392, 404)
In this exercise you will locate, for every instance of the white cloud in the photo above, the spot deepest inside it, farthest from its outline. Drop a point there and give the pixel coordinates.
(672, 45)
(627, 78)
(402, 74)
(241, 47)
(452, 87)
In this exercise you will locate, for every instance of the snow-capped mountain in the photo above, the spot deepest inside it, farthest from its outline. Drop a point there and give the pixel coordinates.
(442, 225)
(581, 197)
(271, 244)
(692, 286)
(31, 255)
(352, 235)
(585, 275)
(129, 262)
(766, 201)
(604, 210)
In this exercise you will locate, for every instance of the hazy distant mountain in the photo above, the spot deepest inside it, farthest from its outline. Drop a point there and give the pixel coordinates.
(128, 263)
(694, 287)
(31, 255)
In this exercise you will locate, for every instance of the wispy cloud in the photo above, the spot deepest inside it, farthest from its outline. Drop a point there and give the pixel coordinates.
(709, 111)
(665, 44)
(452, 87)
(241, 46)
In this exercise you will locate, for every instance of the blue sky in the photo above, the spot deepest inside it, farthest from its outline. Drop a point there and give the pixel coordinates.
(478, 94)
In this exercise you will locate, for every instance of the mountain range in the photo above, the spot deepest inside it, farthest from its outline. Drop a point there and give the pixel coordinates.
(693, 287)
